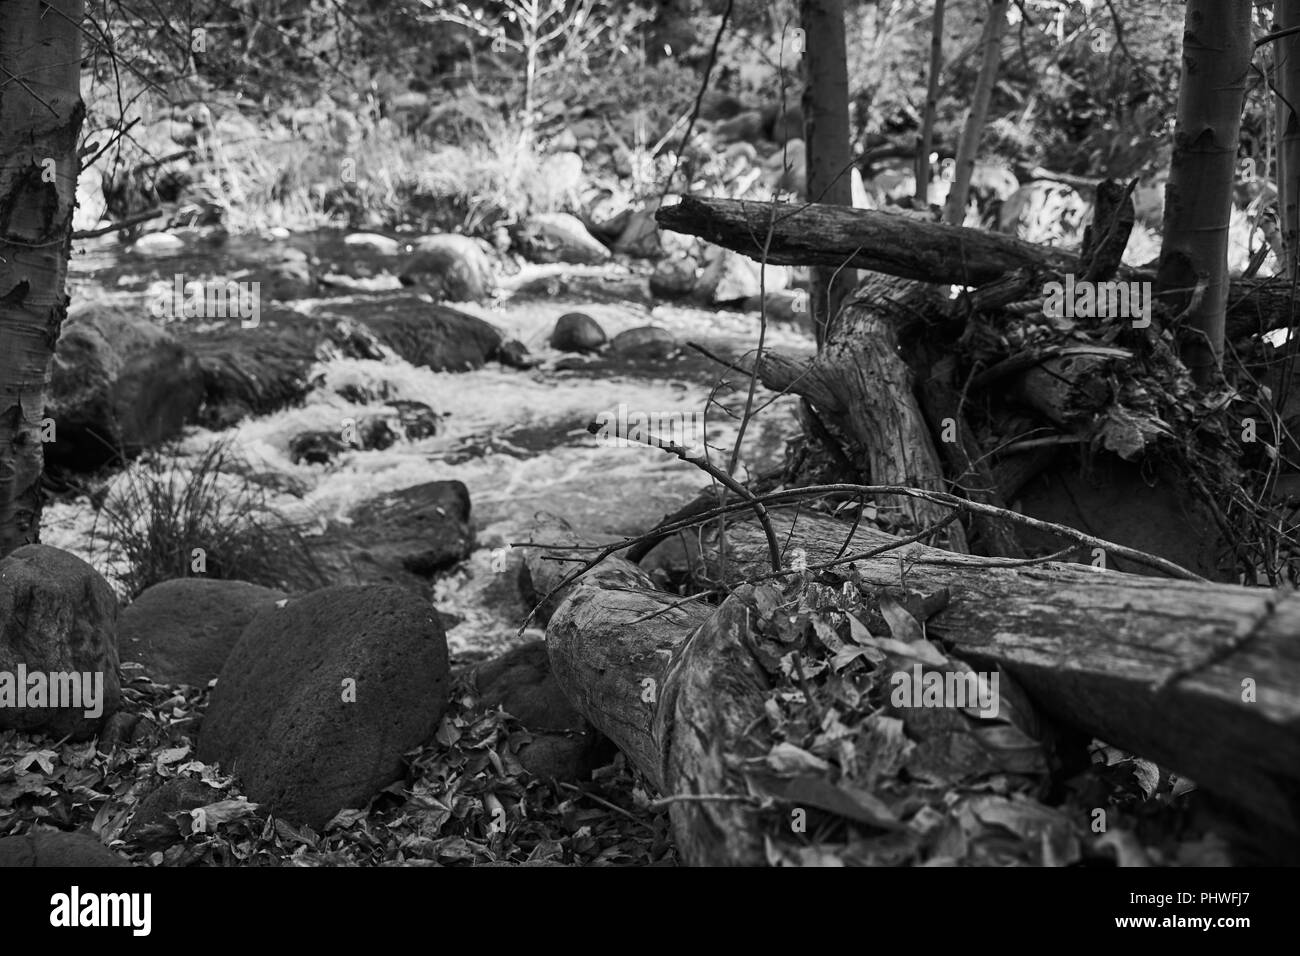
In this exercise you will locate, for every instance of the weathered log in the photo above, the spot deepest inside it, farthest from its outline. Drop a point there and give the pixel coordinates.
(610, 646)
(1027, 173)
(671, 684)
(1155, 666)
(713, 695)
(813, 234)
(1067, 390)
(545, 569)
(863, 392)
(1106, 237)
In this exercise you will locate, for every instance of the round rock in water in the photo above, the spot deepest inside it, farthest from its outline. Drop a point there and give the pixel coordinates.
(647, 342)
(577, 332)
(558, 237)
(451, 267)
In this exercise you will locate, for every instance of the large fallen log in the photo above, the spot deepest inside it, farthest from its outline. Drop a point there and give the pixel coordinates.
(1202, 678)
(812, 234)
(815, 234)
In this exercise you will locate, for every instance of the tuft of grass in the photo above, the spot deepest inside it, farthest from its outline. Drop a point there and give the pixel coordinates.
(158, 512)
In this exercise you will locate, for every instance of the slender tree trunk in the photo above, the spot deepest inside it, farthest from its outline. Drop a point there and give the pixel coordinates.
(991, 44)
(826, 139)
(1193, 271)
(40, 121)
(1286, 58)
(530, 80)
(926, 143)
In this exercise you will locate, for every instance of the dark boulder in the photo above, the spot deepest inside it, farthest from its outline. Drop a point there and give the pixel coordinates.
(120, 383)
(514, 354)
(577, 332)
(646, 342)
(58, 616)
(558, 237)
(375, 433)
(563, 745)
(435, 337)
(416, 419)
(182, 631)
(153, 824)
(403, 537)
(321, 697)
(317, 447)
(451, 268)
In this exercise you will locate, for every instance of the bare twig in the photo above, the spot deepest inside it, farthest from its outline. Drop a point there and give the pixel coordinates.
(672, 607)
(938, 497)
(608, 805)
(664, 802)
(699, 96)
(774, 549)
(117, 226)
(866, 555)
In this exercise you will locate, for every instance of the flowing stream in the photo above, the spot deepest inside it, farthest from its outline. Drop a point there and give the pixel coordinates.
(516, 438)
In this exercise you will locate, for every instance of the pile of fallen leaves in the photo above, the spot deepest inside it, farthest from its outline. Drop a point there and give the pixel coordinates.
(465, 799)
(857, 775)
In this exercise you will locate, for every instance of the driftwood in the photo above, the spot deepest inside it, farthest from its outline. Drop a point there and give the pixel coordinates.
(814, 234)
(1202, 678)
(1106, 237)
(667, 682)
(863, 391)
(862, 387)
(897, 245)
(556, 551)
(1066, 389)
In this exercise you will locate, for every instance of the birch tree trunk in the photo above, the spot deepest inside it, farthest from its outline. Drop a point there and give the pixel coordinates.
(40, 121)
